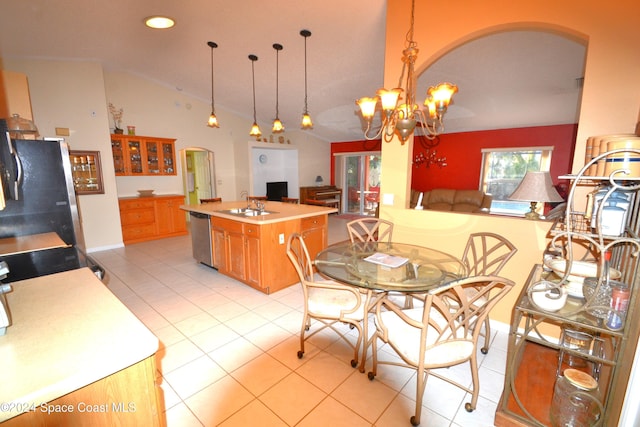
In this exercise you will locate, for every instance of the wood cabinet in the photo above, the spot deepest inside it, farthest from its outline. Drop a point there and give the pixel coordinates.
(149, 218)
(252, 254)
(314, 231)
(256, 254)
(236, 249)
(143, 155)
(129, 397)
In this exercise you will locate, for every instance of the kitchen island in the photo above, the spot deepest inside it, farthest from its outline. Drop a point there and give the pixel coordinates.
(75, 355)
(253, 249)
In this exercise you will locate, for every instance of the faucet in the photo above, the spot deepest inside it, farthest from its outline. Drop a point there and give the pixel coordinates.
(259, 205)
(246, 196)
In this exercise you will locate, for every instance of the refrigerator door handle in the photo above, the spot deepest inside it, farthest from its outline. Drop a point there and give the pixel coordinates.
(19, 175)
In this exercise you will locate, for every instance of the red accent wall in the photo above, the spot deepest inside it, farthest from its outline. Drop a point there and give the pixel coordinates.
(351, 147)
(464, 156)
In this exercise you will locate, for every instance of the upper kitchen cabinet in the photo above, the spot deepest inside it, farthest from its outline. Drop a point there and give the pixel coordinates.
(143, 155)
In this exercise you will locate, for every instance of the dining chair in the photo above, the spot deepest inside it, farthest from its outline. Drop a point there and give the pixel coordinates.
(486, 254)
(258, 198)
(325, 301)
(370, 230)
(442, 333)
(374, 230)
(212, 200)
(289, 200)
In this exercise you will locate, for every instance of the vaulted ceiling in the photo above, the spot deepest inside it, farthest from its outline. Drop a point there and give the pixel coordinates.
(515, 79)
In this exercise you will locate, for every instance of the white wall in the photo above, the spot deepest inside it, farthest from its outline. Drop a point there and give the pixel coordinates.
(71, 95)
(75, 95)
(281, 164)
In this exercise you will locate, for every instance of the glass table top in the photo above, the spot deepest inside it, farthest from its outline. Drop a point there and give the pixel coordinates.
(372, 265)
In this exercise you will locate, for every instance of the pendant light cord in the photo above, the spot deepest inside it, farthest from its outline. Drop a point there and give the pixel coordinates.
(213, 109)
(253, 59)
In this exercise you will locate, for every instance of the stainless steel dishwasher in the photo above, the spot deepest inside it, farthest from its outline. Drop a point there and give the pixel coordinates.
(201, 238)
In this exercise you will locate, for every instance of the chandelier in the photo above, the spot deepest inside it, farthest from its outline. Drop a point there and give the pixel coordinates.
(255, 129)
(278, 127)
(306, 118)
(399, 117)
(213, 120)
(429, 159)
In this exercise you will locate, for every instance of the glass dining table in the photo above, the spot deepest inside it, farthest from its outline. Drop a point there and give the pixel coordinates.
(381, 267)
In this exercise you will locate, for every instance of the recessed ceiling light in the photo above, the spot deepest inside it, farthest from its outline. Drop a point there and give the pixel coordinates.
(159, 22)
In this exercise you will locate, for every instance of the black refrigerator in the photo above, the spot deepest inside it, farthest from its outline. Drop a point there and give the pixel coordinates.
(39, 197)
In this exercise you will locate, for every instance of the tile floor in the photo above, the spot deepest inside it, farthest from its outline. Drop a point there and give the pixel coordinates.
(228, 353)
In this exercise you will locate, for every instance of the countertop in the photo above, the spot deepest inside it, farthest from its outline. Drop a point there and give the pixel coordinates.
(30, 243)
(281, 211)
(67, 331)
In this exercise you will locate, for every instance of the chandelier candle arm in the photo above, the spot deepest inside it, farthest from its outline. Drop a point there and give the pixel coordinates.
(306, 118)
(213, 120)
(401, 120)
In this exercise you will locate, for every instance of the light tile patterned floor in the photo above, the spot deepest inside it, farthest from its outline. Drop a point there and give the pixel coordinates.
(228, 352)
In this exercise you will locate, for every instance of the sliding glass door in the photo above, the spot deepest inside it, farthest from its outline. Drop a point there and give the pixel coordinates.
(360, 180)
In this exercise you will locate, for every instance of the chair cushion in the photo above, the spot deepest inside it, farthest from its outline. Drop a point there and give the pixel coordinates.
(406, 340)
(330, 303)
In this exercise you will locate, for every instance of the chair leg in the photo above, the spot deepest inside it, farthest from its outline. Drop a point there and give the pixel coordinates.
(471, 406)
(356, 350)
(306, 324)
(374, 357)
(487, 336)
(421, 382)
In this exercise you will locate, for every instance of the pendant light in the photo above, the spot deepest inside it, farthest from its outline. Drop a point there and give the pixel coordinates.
(213, 120)
(255, 129)
(306, 118)
(278, 127)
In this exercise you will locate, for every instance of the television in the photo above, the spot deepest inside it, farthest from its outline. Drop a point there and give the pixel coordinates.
(277, 190)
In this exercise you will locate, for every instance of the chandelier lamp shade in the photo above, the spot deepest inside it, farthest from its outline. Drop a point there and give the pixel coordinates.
(255, 129)
(306, 118)
(401, 116)
(277, 127)
(213, 120)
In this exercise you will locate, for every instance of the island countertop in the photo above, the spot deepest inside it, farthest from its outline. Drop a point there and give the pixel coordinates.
(280, 211)
(68, 330)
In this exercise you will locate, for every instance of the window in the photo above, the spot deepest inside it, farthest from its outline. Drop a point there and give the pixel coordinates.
(502, 171)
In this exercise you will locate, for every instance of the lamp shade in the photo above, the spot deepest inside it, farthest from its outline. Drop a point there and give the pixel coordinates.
(536, 187)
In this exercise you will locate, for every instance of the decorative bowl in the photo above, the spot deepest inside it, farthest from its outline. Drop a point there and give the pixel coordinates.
(548, 296)
(145, 193)
(579, 271)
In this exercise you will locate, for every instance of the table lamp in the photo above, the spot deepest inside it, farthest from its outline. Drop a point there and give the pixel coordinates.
(536, 187)
(319, 180)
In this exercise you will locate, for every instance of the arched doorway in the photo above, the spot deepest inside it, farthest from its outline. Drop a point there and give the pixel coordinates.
(198, 176)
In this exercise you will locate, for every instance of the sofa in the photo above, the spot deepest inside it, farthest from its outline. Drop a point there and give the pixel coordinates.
(443, 199)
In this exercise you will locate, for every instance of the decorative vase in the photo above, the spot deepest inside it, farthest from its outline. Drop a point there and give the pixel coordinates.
(118, 131)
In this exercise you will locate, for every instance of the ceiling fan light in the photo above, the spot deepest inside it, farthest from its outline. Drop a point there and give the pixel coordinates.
(159, 22)
(306, 121)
